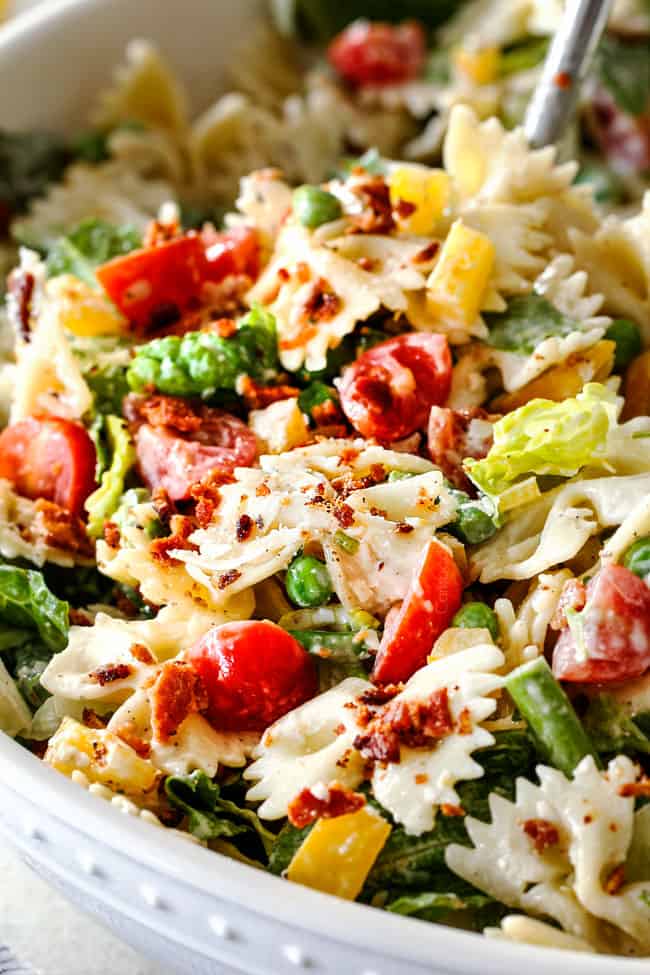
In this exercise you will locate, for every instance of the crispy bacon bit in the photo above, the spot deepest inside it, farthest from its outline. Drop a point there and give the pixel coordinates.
(177, 692)
(111, 534)
(110, 673)
(306, 808)
(20, 286)
(100, 752)
(79, 617)
(427, 254)
(129, 735)
(322, 304)
(376, 696)
(207, 496)
(465, 726)
(227, 578)
(170, 411)
(245, 528)
(160, 548)
(414, 724)
(258, 397)
(344, 514)
(91, 719)
(563, 79)
(163, 505)
(262, 490)
(366, 263)
(303, 272)
(636, 789)
(403, 528)
(224, 327)
(421, 778)
(381, 513)
(404, 209)
(347, 483)
(456, 434)
(324, 414)
(541, 833)
(283, 274)
(573, 596)
(449, 809)
(158, 232)
(142, 653)
(377, 214)
(61, 529)
(615, 880)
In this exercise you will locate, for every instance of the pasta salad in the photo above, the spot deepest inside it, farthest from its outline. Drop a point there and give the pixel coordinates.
(325, 470)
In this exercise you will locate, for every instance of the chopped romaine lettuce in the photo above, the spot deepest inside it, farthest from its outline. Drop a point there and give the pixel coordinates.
(26, 602)
(103, 502)
(91, 243)
(544, 437)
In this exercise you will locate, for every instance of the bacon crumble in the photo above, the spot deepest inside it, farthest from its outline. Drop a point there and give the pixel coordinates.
(177, 692)
(61, 529)
(413, 724)
(307, 807)
(111, 534)
(542, 833)
(109, 673)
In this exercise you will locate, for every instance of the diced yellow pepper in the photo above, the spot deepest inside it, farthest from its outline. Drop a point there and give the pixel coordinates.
(102, 757)
(481, 67)
(563, 381)
(427, 189)
(84, 311)
(339, 853)
(458, 282)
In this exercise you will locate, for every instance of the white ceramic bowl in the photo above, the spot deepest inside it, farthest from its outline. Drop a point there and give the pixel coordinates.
(194, 910)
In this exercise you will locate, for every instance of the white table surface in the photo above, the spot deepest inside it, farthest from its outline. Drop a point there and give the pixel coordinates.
(45, 932)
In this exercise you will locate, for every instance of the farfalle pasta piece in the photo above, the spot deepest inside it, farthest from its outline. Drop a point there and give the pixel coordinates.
(553, 529)
(312, 744)
(523, 631)
(144, 90)
(24, 535)
(552, 852)
(423, 779)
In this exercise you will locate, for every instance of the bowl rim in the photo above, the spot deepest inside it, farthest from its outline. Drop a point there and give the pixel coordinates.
(405, 939)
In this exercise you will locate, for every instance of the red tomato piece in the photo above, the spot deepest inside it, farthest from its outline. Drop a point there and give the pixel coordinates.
(51, 458)
(155, 286)
(253, 672)
(235, 251)
(368, 53)
(174, 460)
(390, 389)
(614, 627)
(432, 600)
(456, 434)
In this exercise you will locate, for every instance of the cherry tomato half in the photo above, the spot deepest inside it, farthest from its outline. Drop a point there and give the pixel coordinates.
(432, 601)
(368, 53)
(614, 631)
(390, 389)
(235, 251)
(174, 460)
(49, 457)
(253, 672)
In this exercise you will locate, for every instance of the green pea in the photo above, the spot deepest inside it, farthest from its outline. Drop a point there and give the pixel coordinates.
(308, 582)
(473, 525)
(627, 336)
(477, 616)
(637, 558)
(314, 206)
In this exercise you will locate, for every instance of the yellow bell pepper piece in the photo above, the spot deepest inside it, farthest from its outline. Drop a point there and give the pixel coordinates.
(84, 311)
(427, 189)
(481, 67)
(563, 381)
(339, 853)
(102, 757)
(458, 282)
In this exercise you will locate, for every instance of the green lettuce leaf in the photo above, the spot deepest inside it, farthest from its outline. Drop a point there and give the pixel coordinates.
(27, 603)
(526, 322)
(547, 438)
(611, 730)
(209, 815)
(103, 502)
(91, 243)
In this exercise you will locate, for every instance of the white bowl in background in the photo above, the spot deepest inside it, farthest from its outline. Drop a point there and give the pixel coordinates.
(192, 909)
